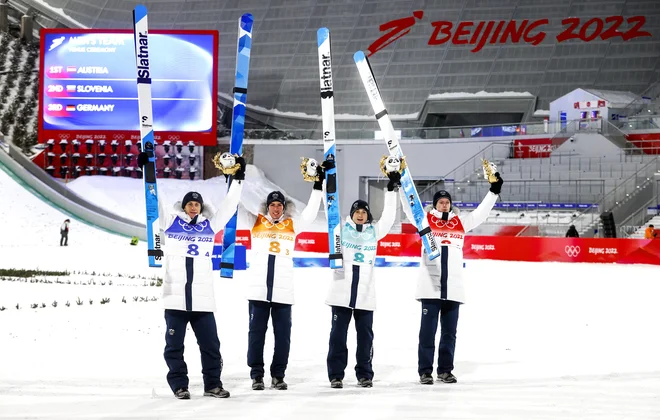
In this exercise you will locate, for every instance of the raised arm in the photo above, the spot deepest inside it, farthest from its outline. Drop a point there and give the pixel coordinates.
(480, 214)
(164, 214)
(308, 215)
(389, 214)
(227, 208)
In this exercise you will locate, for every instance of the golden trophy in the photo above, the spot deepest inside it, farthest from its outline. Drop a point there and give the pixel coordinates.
(392, 163)
(308, 168)
(226, 162)
(489, 170)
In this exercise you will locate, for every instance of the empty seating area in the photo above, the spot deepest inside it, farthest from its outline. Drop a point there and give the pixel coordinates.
(284, 70)
(538, 222)
(639, 233)
(19, 90)
(64, 158)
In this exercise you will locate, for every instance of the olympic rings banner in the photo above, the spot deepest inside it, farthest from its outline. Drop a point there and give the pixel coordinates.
(584, 250)
(404, 249)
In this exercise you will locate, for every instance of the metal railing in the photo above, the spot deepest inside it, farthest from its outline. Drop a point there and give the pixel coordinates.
(619, 138)
(520, 191)
(628, 187)
(578, 168)
(642, 122)
(632, 223)
(495, 152)
(652, 92)
(368, 131)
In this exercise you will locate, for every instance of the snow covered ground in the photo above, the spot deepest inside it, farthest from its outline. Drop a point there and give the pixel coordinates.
(542, 341)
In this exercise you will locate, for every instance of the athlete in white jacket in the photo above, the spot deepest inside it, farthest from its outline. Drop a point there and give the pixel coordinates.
(189, 231)
(440, 285)
(269, 281)
(352, 291)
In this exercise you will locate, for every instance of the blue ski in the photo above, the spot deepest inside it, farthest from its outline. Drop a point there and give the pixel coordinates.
(237, 127)
(329, 149)
(141, 39)
(394, 148)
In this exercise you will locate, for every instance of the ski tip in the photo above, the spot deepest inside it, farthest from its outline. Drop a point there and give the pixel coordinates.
(139, 12)
(245, 23)
(359, 56)
(321, 35)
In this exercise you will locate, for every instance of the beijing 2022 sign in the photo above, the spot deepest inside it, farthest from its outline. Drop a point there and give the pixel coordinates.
(494, 32)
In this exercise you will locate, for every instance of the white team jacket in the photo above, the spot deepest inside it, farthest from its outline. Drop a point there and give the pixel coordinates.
(354, 286)
(270, 276)
(189, 276)
(442, 278)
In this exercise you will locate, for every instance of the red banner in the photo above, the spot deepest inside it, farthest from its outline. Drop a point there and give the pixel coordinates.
(648, 142)
(505, 248)
(243, 237)
(399, 245)
(585, 250)
(532, 148)
(312, 242)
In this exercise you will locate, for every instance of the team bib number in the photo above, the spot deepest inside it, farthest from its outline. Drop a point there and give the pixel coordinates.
(193, 251)
(277, 248)
(363, 258)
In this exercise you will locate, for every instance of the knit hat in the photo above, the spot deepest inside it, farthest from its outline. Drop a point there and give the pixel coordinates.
(441, 194)
(192, 196)
(361, 204)
(275, 196)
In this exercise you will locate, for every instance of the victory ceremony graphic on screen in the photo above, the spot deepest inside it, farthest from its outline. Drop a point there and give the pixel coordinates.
(90, 82)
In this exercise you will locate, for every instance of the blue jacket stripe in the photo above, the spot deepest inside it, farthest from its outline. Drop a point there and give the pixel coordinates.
(270, 278)
(354, 285)
(190, 272)
(444, 267)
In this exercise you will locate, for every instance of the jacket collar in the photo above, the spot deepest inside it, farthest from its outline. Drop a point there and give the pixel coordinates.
(438, 214)
(350, 222)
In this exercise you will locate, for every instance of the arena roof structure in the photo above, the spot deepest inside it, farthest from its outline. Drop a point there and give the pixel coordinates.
(523, 53)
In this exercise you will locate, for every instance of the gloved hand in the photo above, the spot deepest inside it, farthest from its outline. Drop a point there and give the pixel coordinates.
(395, 180)
(142, 159)
(328, 164)
(240, 174)
(496, 187)
(320, 172)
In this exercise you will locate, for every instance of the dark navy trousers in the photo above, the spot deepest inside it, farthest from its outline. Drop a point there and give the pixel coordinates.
(260, 312)
(204, 327)
(448, 313)
(338, 352)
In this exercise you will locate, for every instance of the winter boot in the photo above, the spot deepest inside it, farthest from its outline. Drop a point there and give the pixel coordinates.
(426, 379)
(258, 384)
(336, 383)
(278, 383)
(182, 394)
(365, 383)
(218, 392)
(447, 377)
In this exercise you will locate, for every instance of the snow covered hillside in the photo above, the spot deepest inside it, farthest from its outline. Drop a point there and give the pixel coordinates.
(550, 340)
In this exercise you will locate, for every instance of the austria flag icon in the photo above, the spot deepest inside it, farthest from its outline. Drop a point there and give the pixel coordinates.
(70, 108)
(70, 69)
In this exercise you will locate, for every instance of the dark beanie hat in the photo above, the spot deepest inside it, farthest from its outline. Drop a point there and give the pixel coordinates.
(441, 194)
(361, 204)
(275, 196)
(192, 196)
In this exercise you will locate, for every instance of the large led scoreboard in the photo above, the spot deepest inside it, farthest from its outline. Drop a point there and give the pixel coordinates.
(88, 86)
